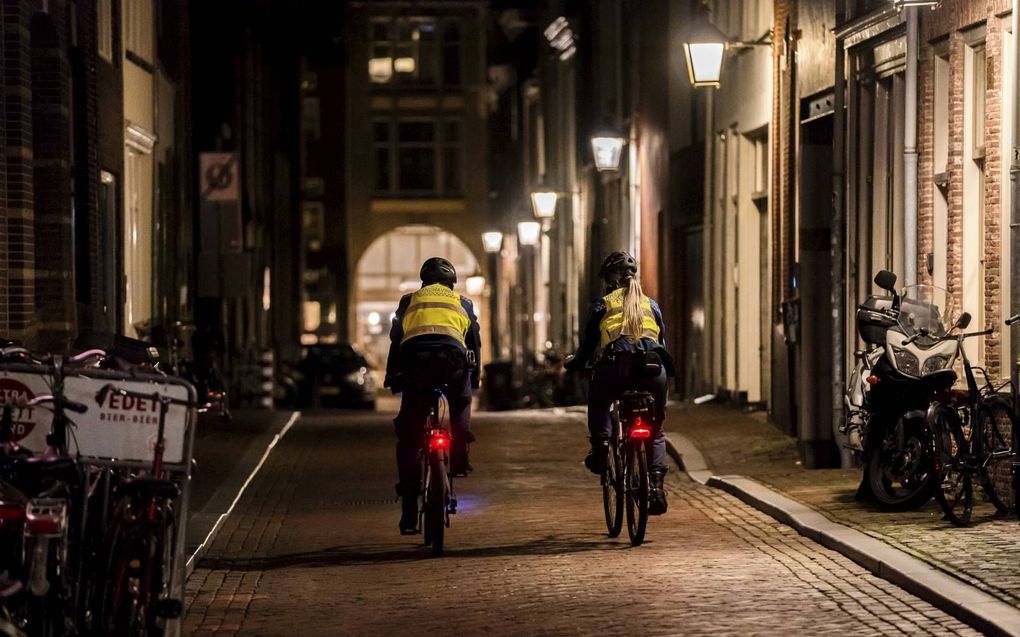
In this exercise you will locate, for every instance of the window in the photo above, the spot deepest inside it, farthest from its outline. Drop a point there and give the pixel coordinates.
(980, 79)
(415, 51)
(972, 253)
(761, 166)
(418, 156)
(104, 29)
(138, 28)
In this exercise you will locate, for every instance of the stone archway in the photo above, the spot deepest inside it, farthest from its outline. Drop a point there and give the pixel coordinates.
(388, 269)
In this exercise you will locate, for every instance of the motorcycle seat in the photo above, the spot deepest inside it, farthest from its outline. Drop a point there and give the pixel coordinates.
(148, 487)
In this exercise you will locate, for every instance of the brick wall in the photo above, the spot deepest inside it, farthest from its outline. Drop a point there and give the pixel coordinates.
(51, 112)
(783, 232)
(18, 239)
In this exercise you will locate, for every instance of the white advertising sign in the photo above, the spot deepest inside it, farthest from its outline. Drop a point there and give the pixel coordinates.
(31, 424)
(122, 428)
(125, 427)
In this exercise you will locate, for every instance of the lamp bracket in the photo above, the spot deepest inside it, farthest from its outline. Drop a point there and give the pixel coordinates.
(764, 40)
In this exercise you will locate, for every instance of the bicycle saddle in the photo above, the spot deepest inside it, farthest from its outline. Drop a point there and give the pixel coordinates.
(32, 474)
(146, 486)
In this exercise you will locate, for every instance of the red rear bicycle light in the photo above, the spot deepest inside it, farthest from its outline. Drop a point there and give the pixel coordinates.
(439, 440)
(43, 525)
(640, 431)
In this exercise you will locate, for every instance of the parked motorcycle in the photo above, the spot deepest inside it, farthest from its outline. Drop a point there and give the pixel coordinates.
(895, 379)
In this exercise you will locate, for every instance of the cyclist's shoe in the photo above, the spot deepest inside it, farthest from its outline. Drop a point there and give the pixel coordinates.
(409, 515)
(657, 498)
(459, 465)
(595, 461)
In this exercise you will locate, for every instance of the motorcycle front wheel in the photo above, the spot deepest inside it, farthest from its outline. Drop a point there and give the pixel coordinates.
(903, 478)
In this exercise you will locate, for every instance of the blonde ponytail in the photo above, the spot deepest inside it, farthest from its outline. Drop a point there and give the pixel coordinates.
(633, 316)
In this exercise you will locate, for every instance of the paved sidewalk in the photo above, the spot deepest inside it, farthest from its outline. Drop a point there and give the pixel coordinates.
(983, 555)
(225, 455)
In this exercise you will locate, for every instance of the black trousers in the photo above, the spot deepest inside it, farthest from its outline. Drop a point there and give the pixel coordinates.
(609, 381)
(426, 370)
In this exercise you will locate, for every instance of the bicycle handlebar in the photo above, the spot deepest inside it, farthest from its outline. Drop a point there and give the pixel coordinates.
(69, 405)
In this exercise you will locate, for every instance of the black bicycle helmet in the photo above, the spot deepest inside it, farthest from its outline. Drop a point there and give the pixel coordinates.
(617, 268)
(438, 270)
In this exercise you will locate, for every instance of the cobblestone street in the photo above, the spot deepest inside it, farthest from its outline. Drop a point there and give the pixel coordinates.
(312, 549)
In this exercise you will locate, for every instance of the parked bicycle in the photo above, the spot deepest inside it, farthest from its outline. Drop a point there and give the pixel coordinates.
(625, 481)
(1015, 396)
(973, 438)
(43, 497)
(135, 598)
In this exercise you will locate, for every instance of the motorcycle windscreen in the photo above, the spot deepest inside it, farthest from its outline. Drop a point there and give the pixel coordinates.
(928, 309)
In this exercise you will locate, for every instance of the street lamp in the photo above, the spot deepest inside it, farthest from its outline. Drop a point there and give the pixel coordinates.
(607, 146)
(903, 4)
(529, 232)
(705, 46)
(543, 202)
(475, 284)
(492, 241)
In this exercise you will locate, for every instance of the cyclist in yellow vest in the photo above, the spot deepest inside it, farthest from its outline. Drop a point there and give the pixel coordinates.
(434, 342)
(623, 331)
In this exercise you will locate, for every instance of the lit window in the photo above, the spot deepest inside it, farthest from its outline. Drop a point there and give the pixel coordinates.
(104, 29)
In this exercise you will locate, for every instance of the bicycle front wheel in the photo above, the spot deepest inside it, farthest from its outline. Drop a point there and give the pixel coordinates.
(636, 490)
(437, 496)
(612, 492)
(996, 424)
(954, 489)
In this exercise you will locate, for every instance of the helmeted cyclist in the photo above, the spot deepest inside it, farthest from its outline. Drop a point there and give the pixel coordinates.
(621, 333)
(434, 343)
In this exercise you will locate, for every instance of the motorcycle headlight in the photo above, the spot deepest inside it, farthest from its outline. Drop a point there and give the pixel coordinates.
(934, 364)
(906, 362)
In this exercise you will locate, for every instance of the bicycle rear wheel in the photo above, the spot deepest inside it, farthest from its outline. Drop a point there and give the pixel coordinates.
(612, 491)
(636, 490)
(437, 496)
(997, 423)
(954, 488)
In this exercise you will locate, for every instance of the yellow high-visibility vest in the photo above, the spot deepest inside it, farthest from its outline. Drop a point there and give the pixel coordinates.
(611, 327)
(436, 309)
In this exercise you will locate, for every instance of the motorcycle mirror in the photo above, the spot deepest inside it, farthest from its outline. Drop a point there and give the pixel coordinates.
(963, 321)
(886, 280)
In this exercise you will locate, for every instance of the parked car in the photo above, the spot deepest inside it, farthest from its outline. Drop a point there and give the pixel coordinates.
(335, 376)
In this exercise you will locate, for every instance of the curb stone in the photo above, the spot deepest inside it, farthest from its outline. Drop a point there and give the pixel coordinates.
(964, 602)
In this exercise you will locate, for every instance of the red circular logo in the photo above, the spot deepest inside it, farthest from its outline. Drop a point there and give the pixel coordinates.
(12, 392)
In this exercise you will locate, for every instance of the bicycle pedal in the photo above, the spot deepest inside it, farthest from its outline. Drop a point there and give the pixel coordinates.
(169, 608)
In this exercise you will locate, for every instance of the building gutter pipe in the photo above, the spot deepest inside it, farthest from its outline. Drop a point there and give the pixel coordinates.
(1014, 188)
(838, 256)
(910, 151)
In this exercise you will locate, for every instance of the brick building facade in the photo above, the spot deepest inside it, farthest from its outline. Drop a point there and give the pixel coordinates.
(966, 41)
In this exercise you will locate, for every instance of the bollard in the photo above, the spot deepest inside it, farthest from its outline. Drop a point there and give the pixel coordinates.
(266, 379)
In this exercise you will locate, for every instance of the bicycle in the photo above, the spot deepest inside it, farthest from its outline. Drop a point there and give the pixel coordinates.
(52, 482)
(625, 481)
(437, 498)
(1015, 396)
(973, 438)
(135, 594)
